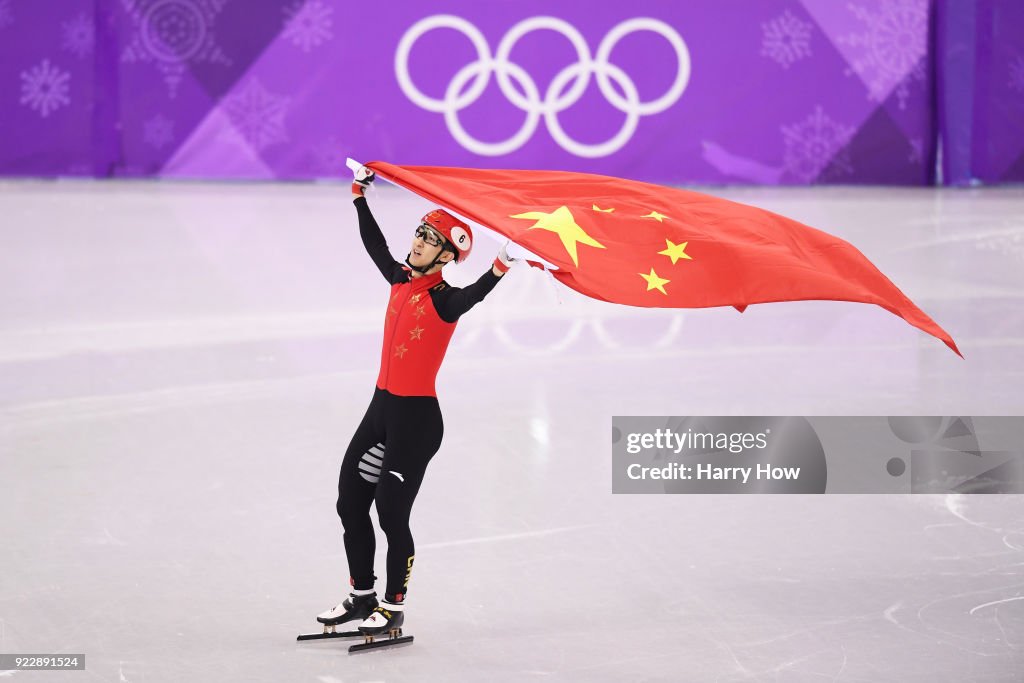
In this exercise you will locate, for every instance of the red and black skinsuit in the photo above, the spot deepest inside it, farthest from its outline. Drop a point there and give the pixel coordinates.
(402, 428)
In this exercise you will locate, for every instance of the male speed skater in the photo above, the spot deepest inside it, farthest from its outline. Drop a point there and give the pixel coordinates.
(402, 428)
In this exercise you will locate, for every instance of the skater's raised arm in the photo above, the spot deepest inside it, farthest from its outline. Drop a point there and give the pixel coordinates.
(452, 302)
(369, 231)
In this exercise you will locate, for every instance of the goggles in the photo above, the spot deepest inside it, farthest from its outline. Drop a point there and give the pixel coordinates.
(427, 234)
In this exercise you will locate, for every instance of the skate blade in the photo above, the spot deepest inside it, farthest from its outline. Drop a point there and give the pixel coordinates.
(379, 642)
(330, 631)
(324, 636)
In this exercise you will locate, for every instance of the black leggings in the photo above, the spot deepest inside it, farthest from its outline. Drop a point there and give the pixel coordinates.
(385, 462)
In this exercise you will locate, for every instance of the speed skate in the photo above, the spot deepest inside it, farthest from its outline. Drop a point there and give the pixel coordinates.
(390, 639)
(380, 626)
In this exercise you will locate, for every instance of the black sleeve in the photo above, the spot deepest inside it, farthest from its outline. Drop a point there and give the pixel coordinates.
(452, 302)
(376, 245)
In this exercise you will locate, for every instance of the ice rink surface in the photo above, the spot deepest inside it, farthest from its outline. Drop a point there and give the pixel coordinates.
(184, 364)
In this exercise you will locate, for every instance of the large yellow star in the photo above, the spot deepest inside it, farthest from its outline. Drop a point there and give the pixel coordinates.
(562, 223)
(675, 251)
(660, 217)
(655, 282)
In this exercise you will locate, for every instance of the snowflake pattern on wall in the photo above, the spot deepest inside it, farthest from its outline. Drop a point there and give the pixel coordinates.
(1017, 74)
(6, 15)
(78, 36)
(815, 144)
(308, 23)
(158, 131)
(44, 88)
(174, 34)
(892, 47)
(787, 39)
(257, 116)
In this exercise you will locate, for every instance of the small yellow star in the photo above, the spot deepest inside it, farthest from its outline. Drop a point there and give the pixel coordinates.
(415, 298)
(660, 217)
(675, 251)
(416, 332)
(655, 282)
(596, 208)
(400, 350)
(419, 311)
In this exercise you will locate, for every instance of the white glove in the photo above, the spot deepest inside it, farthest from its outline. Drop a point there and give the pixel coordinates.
(503, 262)
(362, 180)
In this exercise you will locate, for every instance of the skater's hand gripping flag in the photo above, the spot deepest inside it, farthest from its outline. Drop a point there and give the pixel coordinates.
(642, 244)
(361, 177)
(503, 261)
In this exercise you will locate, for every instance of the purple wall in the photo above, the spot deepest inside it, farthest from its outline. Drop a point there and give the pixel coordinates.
(709, 91)
(981, 90)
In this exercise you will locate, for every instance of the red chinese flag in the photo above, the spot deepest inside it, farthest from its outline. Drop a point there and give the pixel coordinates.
(648, 245)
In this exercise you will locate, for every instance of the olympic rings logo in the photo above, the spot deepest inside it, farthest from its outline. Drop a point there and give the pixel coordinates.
(529, 99)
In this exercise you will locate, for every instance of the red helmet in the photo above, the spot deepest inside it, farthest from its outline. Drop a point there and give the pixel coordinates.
(458, 234)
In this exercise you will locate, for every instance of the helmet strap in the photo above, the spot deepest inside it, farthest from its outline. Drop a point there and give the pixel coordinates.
(423, 269)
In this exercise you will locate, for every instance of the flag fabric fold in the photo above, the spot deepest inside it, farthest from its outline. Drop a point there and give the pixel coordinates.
(642, 244)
